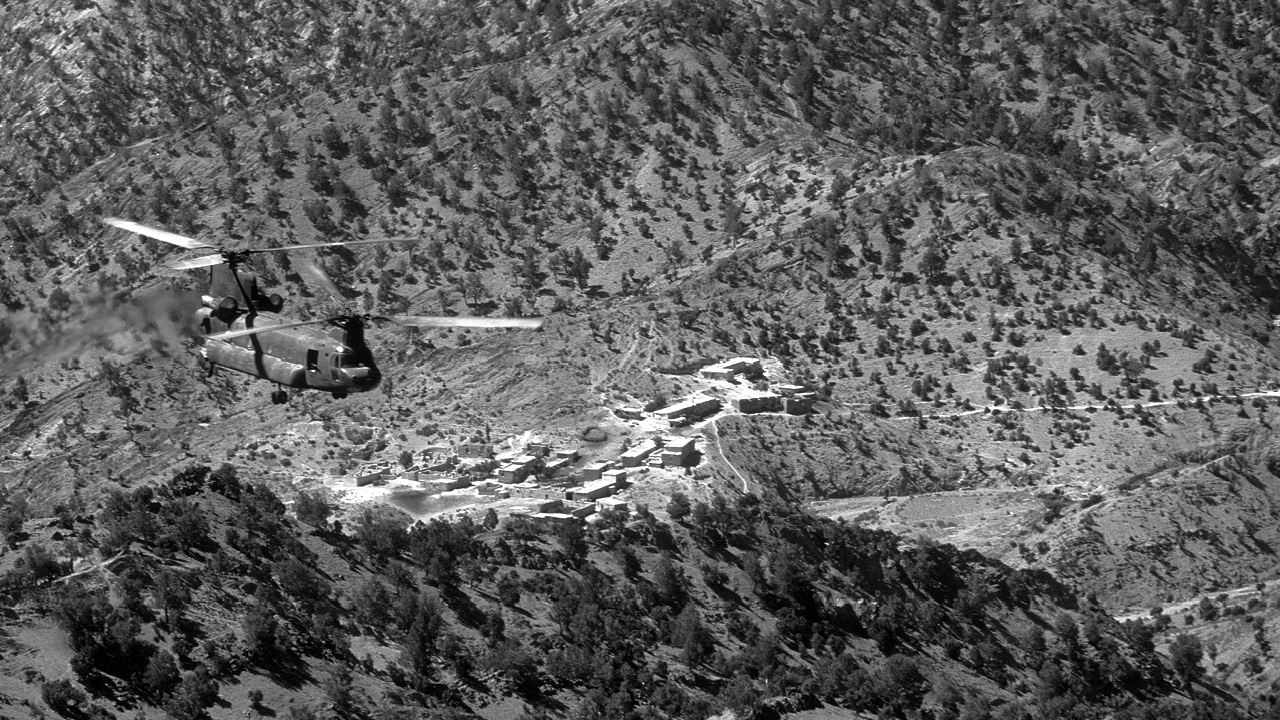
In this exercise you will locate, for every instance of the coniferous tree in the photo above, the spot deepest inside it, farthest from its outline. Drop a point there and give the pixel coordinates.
(679, 507)
(1185, 653)
(162, 674)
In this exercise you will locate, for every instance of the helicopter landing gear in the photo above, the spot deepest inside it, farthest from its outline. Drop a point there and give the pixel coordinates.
(279, 397)
(339, 394)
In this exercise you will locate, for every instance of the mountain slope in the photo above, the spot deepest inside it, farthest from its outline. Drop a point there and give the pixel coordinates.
(1015, 249)
(749, 607)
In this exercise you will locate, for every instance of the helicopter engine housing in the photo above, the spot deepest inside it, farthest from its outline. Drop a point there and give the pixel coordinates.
(225, 302)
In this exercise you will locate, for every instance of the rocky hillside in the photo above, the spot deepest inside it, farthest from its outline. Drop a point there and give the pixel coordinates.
(1018, 249)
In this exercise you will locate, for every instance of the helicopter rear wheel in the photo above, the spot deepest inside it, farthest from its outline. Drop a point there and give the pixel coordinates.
(339, 394)
(279, 397)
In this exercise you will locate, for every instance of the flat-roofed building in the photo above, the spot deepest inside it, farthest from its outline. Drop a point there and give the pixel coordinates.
(618, 477)
(673, 459)
(730, 369)
(557, 467)
(676, 452)
(512, 473)
(765, 402)
(614, 504)
(479, 450)
(447, 483)
(534, 490)
(443, 466)
(689, 410)
(683, 444)
(552, 519)
(595, 470)
(372, 474)
(518, 469)
(630, 412)
(717, 372)
(590, 491)
(800, 403)
(634, 456)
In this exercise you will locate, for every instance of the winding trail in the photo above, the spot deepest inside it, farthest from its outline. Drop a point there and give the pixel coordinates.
(101, 566)
(1250, 590)
(618, 366)
(710, 423)
(746, 487)
(1091, 406)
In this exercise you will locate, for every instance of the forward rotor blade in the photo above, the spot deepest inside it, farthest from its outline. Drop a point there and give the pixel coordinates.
(203, 261)
(230, 334)
(181, 241)
(467, 322)
(403, 320)
(325, 245)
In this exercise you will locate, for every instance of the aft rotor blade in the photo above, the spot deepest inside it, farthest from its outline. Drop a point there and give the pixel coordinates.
(230, 334)
(318, 274)
(181, 241)
(203, 261)
(290, 248)
(466, 322)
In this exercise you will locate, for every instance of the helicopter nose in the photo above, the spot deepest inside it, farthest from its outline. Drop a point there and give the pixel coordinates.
(362, 378)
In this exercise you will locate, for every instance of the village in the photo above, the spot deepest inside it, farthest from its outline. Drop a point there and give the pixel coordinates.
(549, 485)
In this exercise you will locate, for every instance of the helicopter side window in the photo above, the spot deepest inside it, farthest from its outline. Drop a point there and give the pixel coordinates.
(313, 360)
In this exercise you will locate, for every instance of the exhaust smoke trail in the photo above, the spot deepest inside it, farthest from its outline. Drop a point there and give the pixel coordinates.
(155, 319)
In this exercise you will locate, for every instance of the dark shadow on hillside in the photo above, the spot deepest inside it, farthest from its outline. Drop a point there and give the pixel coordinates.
(287, 670)
(100, 685)
(552, 706)
(462, 606)
(727, 594)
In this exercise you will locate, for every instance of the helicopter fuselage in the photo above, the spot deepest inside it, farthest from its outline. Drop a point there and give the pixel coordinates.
(332, 358)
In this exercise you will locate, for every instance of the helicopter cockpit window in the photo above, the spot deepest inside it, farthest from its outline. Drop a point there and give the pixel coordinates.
(313, 360)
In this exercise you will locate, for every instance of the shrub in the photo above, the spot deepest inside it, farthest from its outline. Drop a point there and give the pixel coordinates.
(62, 696)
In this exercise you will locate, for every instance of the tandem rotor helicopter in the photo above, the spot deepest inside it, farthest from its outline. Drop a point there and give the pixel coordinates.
(244, 331)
